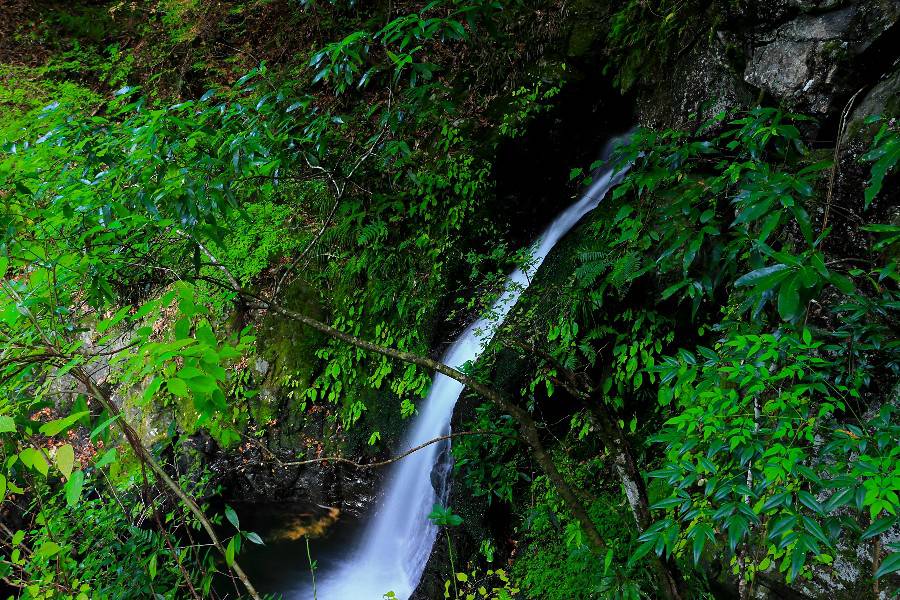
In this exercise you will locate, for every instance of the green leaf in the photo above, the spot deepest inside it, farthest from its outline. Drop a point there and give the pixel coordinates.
(48, 549)
(667, 503)
(776, 500)
(842, 283)
(108, 457)
(201, 385)
(34, 459)
(641, 551)
(152, 567)
(803, 222)
(807, 336)
(767, 275)
(890, 564)
(102, 427)
(65, 459)
(151, 390)
(798, 559)
(254, 538)
(781, 526)
(54, 427)
(878, 527)
(2, 487)
(838, 499)
(229, 553)
(177, 387)
(73, 488)
(810, 502)
(699, 542)
(232, 517)
(789, 299)
(737, 527)
(7, 424)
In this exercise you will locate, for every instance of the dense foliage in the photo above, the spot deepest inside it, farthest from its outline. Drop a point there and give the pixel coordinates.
(701, 386)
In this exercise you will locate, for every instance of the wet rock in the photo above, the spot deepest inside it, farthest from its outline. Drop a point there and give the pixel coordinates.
(750, 12)
(700, 84)
(883, 99)
(798, 63)
(261, 366)
(250, 474)
(809, 61)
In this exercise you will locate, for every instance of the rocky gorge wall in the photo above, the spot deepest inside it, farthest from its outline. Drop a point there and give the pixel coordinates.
(835, 61)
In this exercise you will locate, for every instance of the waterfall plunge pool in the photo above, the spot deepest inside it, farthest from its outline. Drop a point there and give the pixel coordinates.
(389, 553)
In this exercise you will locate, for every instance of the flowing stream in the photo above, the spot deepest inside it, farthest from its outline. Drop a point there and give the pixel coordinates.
(398, 540)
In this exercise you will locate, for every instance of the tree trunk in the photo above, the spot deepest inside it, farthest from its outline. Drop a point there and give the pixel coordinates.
(146, 458)
(667, 573)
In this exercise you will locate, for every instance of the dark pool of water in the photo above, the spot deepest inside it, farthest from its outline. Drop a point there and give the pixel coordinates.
(281, 568)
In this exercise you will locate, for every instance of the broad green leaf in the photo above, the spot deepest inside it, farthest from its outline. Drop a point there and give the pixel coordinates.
(789, 299)
(99, 429)
(229, 553)
(232, 517)
(7, 424)
(65, 459)
(48, 549)
(54, 427)
(810, 502)
(697, 547)
(201, 385)
(807, 336)
(878, 527)
(771, 274)
(73, 488)
(108, 457)
(798, 559)
(254, 538)
(842, 283)
(177, 387)
(34, 459)
(890, 564)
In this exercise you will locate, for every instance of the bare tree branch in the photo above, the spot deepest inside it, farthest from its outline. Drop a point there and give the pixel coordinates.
(382, 463)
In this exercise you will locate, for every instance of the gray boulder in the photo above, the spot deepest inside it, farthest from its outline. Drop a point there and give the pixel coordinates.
(808, 61)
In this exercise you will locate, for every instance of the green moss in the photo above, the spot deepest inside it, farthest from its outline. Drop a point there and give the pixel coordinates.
(24, 91)
(288, 346)
(582, 38)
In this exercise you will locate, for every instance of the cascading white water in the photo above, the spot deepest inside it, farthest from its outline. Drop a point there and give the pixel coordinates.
(398, 541)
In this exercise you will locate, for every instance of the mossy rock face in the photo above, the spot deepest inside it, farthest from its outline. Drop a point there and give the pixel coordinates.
(286, 347)
(582, 38)
(287, 361)
(883, 99)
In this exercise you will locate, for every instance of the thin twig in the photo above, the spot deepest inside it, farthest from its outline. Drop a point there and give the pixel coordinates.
(381, 463)
(837, 156)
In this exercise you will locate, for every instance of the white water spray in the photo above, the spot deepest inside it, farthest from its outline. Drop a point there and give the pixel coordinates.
(398, 541)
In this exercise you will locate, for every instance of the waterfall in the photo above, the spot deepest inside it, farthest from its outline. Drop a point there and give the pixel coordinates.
(398, 541)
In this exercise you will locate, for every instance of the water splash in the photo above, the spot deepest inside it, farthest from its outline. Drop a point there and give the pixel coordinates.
(398, 541)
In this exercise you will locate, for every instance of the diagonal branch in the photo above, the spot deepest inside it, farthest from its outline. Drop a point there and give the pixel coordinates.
(146, 458)
(382, 463)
